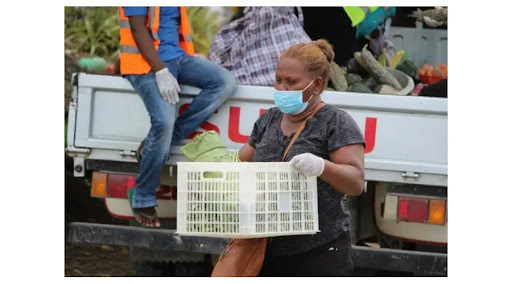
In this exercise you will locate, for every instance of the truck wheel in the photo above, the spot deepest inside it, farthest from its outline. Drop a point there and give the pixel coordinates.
(153, 268)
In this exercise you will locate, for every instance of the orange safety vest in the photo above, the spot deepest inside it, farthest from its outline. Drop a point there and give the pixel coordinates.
(132, 61)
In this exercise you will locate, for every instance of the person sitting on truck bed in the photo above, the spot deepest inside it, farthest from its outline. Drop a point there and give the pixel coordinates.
(156, 54)
(331, 146)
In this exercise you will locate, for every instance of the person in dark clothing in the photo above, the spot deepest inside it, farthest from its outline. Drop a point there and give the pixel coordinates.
(332, 24)
(157, 54)
(333, 151)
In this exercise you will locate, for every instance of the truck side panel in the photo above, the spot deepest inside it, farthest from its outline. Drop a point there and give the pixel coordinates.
(405, 136)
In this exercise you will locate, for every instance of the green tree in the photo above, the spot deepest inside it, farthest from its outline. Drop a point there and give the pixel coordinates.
(92, 31)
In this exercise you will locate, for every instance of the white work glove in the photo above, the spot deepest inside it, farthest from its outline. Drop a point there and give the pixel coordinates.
(308, 164)
(168, 86)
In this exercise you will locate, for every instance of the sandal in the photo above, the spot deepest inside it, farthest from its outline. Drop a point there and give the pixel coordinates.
(139, 215)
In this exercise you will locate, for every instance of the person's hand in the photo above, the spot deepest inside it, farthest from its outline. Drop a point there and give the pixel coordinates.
(308, 164)
(168, 86)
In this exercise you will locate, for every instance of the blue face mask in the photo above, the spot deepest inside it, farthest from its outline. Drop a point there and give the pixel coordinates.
(291, 101)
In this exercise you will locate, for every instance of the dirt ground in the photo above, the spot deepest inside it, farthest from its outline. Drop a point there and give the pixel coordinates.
(89, 260)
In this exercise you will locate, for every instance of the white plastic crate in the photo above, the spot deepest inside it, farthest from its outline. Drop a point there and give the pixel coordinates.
(245, 200)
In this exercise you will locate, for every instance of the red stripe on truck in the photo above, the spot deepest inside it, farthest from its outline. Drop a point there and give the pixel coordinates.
(369, 134)
(237, 137)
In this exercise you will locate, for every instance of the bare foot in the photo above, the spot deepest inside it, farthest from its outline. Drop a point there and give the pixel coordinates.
(146, 217)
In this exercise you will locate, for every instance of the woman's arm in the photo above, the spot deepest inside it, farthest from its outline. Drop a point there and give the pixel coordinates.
(245, 153)
(345, 171)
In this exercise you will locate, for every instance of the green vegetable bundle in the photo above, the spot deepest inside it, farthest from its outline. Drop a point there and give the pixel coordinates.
(212, 216)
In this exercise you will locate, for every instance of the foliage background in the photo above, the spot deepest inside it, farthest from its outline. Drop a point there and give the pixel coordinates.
(94, 31)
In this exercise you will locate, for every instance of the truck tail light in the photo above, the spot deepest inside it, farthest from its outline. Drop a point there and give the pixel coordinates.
(437, 209)
(99, 185)
(118, 185)
(390, 207)
(111, 185)
(413, 209)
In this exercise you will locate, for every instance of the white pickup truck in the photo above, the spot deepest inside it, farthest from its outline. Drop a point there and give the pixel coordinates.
(398, 224)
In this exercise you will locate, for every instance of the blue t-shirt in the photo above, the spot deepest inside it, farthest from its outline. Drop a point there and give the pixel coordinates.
(167, 31)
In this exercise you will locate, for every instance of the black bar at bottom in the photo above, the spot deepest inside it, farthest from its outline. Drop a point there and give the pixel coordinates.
(149, 238)
(400, 260)
(168, 240)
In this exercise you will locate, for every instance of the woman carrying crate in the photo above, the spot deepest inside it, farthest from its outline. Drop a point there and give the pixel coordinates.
(330, 146)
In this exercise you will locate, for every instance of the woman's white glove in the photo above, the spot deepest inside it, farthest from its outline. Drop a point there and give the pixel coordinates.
(308, 164)
(168, 86)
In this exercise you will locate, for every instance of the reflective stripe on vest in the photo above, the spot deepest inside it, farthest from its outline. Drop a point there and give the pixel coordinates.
(152, 16)
(129, 49)
(123, 24)
(132, 61)
(185, 32)
(185, 38)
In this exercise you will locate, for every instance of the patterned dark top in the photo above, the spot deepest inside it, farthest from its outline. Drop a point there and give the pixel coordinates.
(331, 128)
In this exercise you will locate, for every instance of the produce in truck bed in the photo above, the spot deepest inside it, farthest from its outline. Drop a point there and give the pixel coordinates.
(397, 58)
(353, 78)
(385, 89)
(359, 88)
(430, 75)
(337, 77)
(441, 70)
(354, 67)
(370, 64)
(408, 67)
(359, 59)
(383, 59)
(370, 82)
(433, 17)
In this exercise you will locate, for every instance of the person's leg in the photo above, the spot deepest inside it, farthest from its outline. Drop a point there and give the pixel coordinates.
(217, 85)
(156, 147)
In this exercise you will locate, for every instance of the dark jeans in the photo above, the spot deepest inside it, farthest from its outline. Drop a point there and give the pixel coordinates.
(217, 85)
(331, 259)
